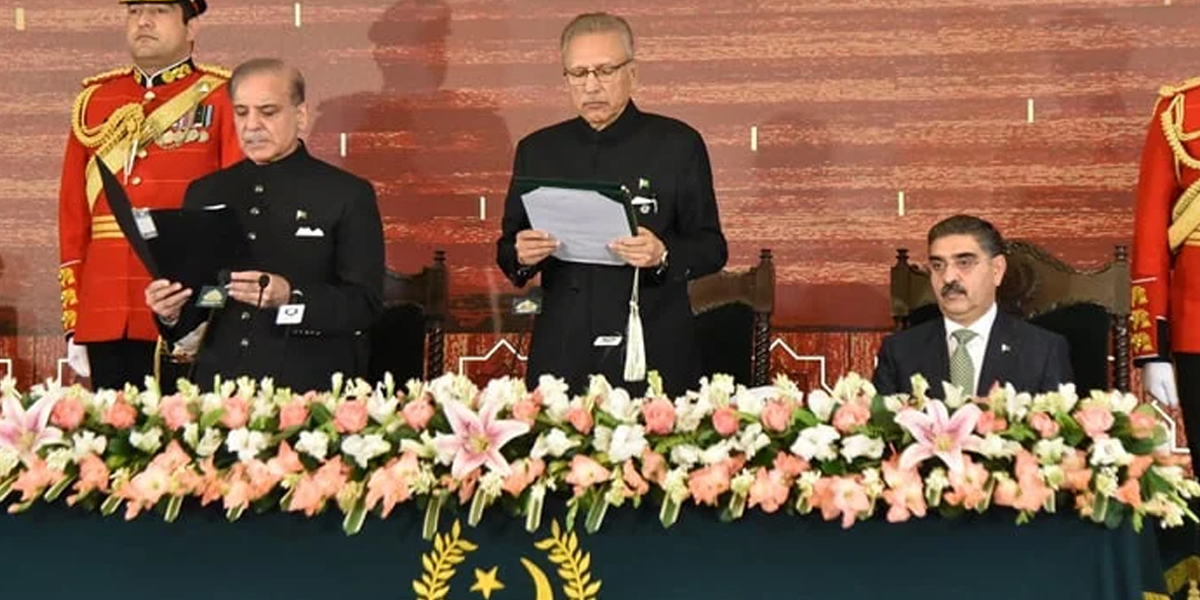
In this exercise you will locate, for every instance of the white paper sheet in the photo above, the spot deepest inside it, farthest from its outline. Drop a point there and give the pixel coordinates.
(583, 221)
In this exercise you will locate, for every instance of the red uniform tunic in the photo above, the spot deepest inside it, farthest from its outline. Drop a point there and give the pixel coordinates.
(182, 120)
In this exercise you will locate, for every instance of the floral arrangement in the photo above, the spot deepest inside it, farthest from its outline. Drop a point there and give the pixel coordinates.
(847, 455)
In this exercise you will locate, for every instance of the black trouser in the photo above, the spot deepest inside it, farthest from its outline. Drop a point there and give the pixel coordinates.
(1187, 375)
(119, 362)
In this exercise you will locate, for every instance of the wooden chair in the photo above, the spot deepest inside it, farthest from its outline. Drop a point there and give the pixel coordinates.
(733, 320)
(1089, 308)
(409, 338)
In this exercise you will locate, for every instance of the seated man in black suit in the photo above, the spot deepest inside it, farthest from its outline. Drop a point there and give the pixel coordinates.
(974, 346)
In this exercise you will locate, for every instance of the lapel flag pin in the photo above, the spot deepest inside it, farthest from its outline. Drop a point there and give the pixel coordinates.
(301, 215)
(1004, 348)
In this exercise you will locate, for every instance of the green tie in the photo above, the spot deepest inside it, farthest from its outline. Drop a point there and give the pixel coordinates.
(962, 369)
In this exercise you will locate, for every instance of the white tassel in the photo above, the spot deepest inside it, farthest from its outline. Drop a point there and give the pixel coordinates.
(635, 344)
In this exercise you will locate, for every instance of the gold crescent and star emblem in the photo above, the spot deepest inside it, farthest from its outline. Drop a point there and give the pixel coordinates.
(562, 549)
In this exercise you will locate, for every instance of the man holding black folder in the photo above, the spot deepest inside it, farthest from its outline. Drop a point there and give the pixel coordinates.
(584, 327)
(309, 275)
(158, 124)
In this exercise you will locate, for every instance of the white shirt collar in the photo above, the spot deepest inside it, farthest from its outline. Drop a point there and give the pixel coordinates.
(982, 326)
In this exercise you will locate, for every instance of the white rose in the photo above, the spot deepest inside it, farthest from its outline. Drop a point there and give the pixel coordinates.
(816, 442)
(86, 442)
(381, 408)
(821, 405)
(148, 441)
(602, 438)
(622, 407)
(314, 444)
(861, 445)
(994, 446)
(246, 444)
(362, 448)
(1109, 451)
(552, 443)
(685, 455)
(716, 453)
(751, 440)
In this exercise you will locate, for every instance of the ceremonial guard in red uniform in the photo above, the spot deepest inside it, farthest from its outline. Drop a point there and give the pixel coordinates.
(1165, 317)
(158, 124)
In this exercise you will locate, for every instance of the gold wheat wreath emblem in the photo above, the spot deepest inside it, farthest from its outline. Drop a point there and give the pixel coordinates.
(562, 548)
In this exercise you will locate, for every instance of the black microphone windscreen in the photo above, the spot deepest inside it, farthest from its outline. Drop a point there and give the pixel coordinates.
(264, 280)
(223, 277)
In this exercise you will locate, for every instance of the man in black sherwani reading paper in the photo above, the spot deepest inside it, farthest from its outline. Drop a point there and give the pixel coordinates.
(582, 328)
(311, 276)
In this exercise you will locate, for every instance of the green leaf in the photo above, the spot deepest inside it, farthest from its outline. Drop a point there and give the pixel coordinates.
(432, 513)
(209, 419)
(1115, 515)
(353, 522)
(595, 518)
(53, 493)
(319, 413)
(174, 503)
(110, 505)
(6, 487)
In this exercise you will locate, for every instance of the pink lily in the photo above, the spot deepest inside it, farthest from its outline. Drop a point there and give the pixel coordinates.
(477, 438)
(24, 430)
(937, 434)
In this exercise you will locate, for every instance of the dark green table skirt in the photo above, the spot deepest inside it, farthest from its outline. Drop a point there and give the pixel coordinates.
(54, 552)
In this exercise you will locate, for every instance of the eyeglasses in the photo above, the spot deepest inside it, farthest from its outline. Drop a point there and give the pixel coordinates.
(603, 73)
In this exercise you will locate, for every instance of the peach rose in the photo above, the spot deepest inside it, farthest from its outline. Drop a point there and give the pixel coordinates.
(1142, 425)
(851, 416)
(237, 412)
(777, 415)
(350, 416)
(1095, 420)
(580, 419)
(293, 414)
(726, 421)
(660, 416)
(1044, 424)
(526, 410)
(120, 415)
(989, 423)
(68, 413)
(175, 412)
(418, 413)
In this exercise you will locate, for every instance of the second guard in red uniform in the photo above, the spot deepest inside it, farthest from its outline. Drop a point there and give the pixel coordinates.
(1165, 316)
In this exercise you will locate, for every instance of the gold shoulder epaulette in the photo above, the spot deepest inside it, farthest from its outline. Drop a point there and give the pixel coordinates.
(217, 70)
(1167, 91)
(105, 76)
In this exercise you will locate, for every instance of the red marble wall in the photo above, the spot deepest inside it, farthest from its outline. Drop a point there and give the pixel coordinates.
(852, 102)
